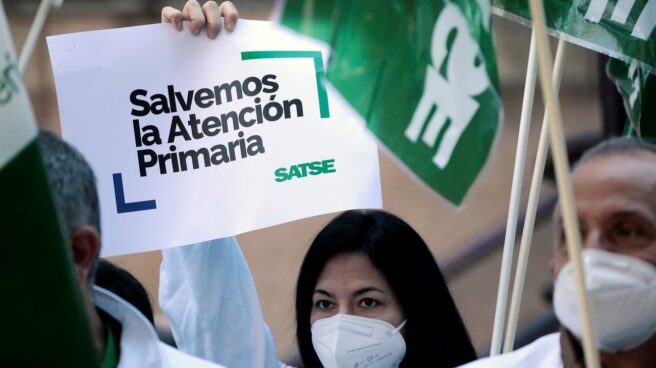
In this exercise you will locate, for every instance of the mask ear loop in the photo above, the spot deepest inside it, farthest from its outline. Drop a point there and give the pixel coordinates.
(396, 330)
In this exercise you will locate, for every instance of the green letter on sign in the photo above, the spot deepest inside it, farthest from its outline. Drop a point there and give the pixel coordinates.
(304, 169)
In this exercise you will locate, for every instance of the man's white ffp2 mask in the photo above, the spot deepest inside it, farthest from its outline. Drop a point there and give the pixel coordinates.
(345, 341)
(622, 298)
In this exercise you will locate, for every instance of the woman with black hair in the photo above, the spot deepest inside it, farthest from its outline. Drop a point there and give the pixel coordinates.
(370, 294)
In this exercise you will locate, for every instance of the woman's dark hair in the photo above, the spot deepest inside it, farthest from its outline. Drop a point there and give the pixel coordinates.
(120, 282)
(435, 334)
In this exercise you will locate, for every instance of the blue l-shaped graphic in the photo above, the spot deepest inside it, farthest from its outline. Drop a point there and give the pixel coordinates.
(122, 206)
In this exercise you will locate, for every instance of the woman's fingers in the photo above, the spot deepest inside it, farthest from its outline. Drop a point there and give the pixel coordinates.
(193, 12)
(213, 18)
(210, 13)
(230, 15)
(173, 16)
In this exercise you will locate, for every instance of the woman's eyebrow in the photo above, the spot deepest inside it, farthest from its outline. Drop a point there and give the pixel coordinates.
(366, 290)
(324, 292)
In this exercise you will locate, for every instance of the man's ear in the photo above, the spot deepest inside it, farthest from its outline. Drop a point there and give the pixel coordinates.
(85, 244)
(552, 268)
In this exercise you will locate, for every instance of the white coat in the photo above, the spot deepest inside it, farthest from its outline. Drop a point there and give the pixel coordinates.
(542, 353)
(209, 295)
(139, 345)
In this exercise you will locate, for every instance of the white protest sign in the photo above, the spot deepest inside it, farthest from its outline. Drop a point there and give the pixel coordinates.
(193, 139)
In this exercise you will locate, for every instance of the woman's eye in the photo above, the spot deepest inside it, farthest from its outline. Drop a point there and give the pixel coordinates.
(323, 304)
(368, 303)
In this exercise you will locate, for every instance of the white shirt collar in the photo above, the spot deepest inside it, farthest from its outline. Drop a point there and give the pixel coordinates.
(139, 341)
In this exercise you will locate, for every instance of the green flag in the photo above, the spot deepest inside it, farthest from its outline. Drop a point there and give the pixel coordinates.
(638, 89)
(317, 19)
(622, 29)
(422, 74)
(42, 320)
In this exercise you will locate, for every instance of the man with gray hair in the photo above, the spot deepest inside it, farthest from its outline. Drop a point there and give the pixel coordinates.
(122, 336)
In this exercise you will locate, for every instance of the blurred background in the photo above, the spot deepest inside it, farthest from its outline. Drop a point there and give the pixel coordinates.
(466, 241)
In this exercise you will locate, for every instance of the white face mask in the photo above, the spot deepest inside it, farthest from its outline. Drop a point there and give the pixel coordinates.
(345, 341)
(622, 292)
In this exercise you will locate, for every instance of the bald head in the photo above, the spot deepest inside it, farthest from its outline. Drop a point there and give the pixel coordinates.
(615, 190)
(623, 146)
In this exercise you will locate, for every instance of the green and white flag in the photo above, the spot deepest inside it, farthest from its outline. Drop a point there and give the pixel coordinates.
(637, 88)
(42, 320)
(423, 75)
(622, 29)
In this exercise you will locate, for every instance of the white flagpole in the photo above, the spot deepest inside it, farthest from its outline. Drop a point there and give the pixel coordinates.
(531, 210)
(515, 199)
(563, 179)
(35, 31)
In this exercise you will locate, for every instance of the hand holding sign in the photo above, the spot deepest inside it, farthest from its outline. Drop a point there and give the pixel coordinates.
(210, 13)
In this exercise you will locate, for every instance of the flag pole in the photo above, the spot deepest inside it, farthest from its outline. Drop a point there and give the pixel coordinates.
(515, 201)
(563, 179)
(531, 210)
(35, 31)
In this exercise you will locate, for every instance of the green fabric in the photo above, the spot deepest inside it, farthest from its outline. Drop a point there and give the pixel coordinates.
(317, 19)
(623, 30)
(383, 53)
(42, 319)
(638, 90)
(110, 359)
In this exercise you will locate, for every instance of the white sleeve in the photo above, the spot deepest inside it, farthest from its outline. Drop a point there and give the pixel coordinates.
(208, 293)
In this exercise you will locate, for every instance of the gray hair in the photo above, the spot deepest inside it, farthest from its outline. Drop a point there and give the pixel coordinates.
(72, 182)
(617, 146)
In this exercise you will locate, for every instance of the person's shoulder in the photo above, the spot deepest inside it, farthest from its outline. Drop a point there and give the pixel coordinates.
(542, 353)
(178, 359)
